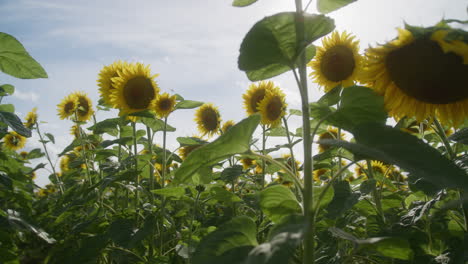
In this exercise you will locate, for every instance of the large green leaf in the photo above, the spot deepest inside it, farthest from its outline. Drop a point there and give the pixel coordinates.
(278, 201)
(188, 104)
(15, 123)
(16, 61)
(7, 108)
(222, 195)
(236, 236)
(242, 3)
(327, 6)
(176, 192)
(270, 47)
(343, 199)
(235, 141)
(380, 142)
(358, 105)
(6, 89)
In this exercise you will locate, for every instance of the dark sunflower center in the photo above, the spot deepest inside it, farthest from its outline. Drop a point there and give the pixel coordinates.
(274, 108)
(69, 107)
(165, 105)
(138, 92)
(210, 119)
(378, 169)
(423, 71)
(83, 106)
(256, 98)
(337, 63)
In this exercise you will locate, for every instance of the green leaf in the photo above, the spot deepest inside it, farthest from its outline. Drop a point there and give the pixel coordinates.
(235, 141)
(270, 47)
(232, 173)
(7, 108)
(332, 97)
(16, 61)
(278, 201)
(188, 104)
(358, 105)
(15, 123)
(282, 244)
(7, 89)
(327, 6)
(392, 247)
(109, 126)
(326, 198)
(343, 200)
(238, 235)
(461, 136)
(277, 132)
(176, 192)
(392, 146)
(50, 137)
(156, 124)
(222, 195)
(121, 231)
(242, 3)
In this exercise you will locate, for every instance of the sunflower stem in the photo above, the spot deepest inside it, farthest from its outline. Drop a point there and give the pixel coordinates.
(443, 136)
(375, 193)
(163, 182)
(50, 161)
(137, 177)
(308, 257)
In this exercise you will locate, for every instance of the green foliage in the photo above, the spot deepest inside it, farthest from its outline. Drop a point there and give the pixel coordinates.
(278, 202)
(242, 3)
(270, 47)
(327, 6)
(15, 123)
(16, 61)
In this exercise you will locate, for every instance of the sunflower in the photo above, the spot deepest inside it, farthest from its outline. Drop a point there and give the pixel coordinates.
(208, 119)
(14, 141)
(134, 89)
(331, 133)
(359, 170)
(273, 107)
(421, 75)
(67, 107)
(105, 80)
(84, 110)
(24, 154)
(31, 118)
(164, 104)
(320, 174)
(255, 95)
(337, 62)
(378, 167)
(65, 163)
(75, 131)
(247, 163)
(289, 163)
(227, 125)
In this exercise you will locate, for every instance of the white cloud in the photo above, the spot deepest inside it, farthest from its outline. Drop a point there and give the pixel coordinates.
(26, 96)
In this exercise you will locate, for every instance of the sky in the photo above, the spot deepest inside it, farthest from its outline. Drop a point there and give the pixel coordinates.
(192, 45)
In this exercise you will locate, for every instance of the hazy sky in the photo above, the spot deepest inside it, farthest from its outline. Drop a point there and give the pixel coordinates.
(193, 45)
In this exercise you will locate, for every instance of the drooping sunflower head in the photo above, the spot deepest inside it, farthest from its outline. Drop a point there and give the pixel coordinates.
(337, 62)
(14, 141)
(84, 110)
(255, 94)
(67, 107)
(290, 164)
(331, 133)
(31, 118)
(186, 150)
(273, 107)
(134, 89)
(208, 120)
(227, 125)
(421, 74)
(164, 104)
(105, 80)
(321, 174)
(24, 154)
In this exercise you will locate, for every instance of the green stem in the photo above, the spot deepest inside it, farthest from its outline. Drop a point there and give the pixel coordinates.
(375, 193)
(308, 257)
(441, 133)
(191, 226)
(48, 158)
(137, 178)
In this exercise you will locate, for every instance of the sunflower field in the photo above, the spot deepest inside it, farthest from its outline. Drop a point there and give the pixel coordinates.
(376, 173)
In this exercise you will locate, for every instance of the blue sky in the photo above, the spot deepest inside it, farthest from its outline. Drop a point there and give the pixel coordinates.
(193, 45)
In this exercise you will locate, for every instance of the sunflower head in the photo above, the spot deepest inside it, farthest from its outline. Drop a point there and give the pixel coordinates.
(67, 107)
(164, 104)
(378, 167)
(134, 89)
(337, 62)
(273, 107)
(421, 74)
(320, 174)
(75, 131)
(65, 163)
(24, 154)
(208, 120)
(331, 133)
(84, 110)
(31, 118)
(227, 125)
(14, 141)
(247, 163)
(255, 94)
(105, 80)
